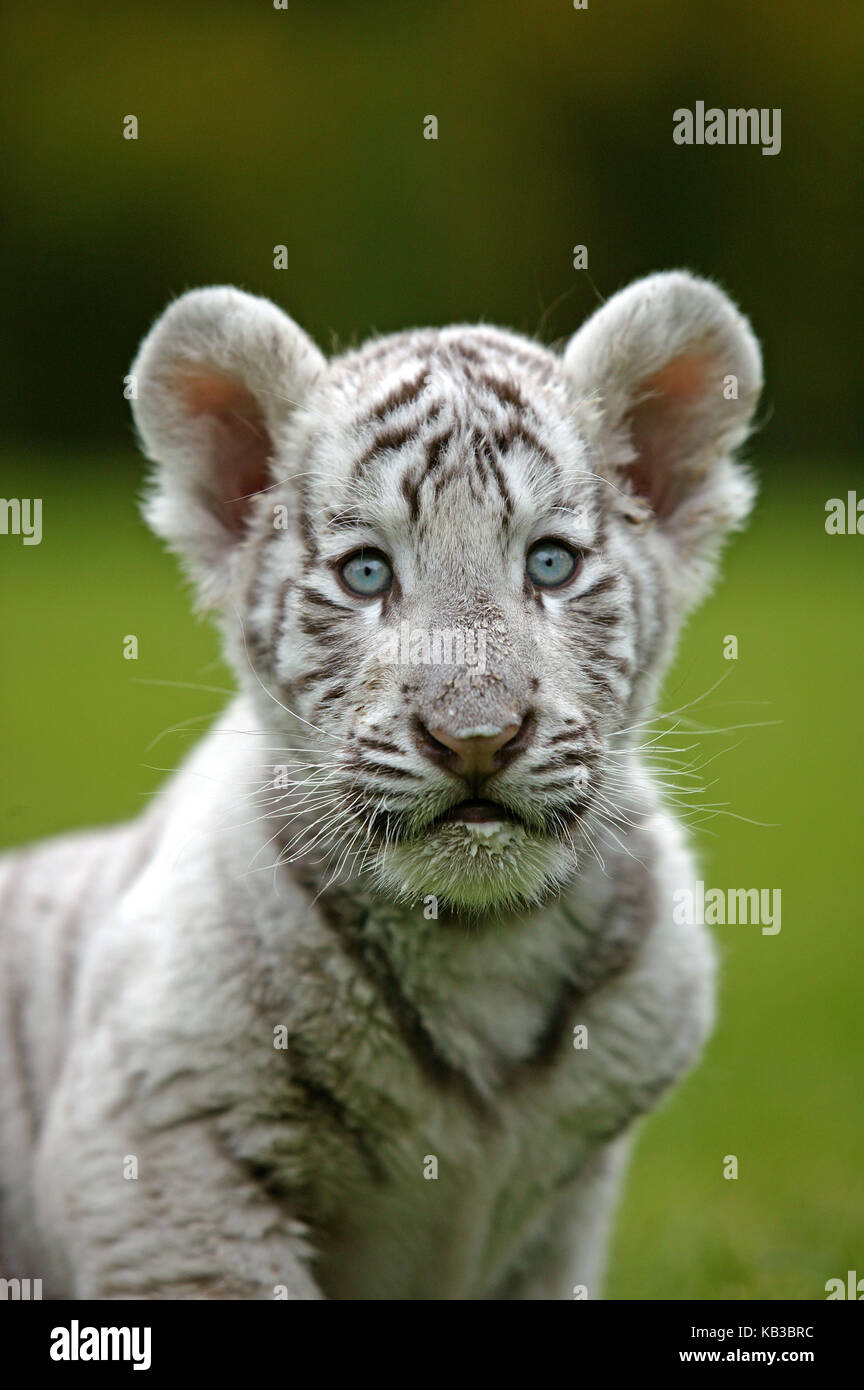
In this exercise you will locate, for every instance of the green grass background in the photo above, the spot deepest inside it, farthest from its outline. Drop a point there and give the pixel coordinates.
(781, 1084)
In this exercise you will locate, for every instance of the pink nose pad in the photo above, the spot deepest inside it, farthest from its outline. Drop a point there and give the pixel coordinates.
(473, 752)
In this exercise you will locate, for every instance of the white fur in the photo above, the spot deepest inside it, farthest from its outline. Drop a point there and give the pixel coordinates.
(148, 970)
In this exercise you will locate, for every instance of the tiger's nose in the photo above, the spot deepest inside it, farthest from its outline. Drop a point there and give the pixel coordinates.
(480, 751)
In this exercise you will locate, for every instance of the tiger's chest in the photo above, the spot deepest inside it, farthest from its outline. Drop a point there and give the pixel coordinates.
(428, 1151)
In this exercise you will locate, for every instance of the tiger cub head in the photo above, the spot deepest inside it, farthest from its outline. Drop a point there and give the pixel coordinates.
(451, 565)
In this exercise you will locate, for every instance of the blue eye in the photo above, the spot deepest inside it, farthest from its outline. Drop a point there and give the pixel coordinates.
(550, 564)
(367, 573)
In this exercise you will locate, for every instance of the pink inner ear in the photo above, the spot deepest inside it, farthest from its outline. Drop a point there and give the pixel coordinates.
(239, 445)
(663, 428)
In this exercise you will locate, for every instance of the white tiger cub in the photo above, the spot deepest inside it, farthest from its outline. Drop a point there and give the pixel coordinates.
(306, 1028)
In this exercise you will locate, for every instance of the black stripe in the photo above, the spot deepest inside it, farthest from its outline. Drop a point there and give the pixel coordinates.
(322, 1098)
(505, 438)
(394, 438)
(601, 684)
(329, 670)
(500, 481)
(336, 692)
(600, 586)
(384, 769)
(567, 735)
(306, 532)
(347, 920)
(619, 664)
(435, 450)
(470, 354)
(400, 395)
(553, 765)
(312, 596)
(279, 606)
(411, 493)
(504, 391)
(320, 627)
(381, 744)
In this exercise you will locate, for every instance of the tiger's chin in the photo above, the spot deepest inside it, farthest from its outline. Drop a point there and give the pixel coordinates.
(476, 867)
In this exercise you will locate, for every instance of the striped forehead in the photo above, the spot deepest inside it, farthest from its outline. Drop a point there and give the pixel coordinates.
(435, 425)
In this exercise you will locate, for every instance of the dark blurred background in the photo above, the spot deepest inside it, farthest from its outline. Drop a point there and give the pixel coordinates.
(304, 127)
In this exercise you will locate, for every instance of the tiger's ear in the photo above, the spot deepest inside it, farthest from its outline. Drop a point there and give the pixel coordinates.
(676, 373)
(216, 382)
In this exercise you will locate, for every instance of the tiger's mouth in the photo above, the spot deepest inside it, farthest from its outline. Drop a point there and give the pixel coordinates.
(474, 814)
(478, 816)
(474, 856)
(480, 812)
